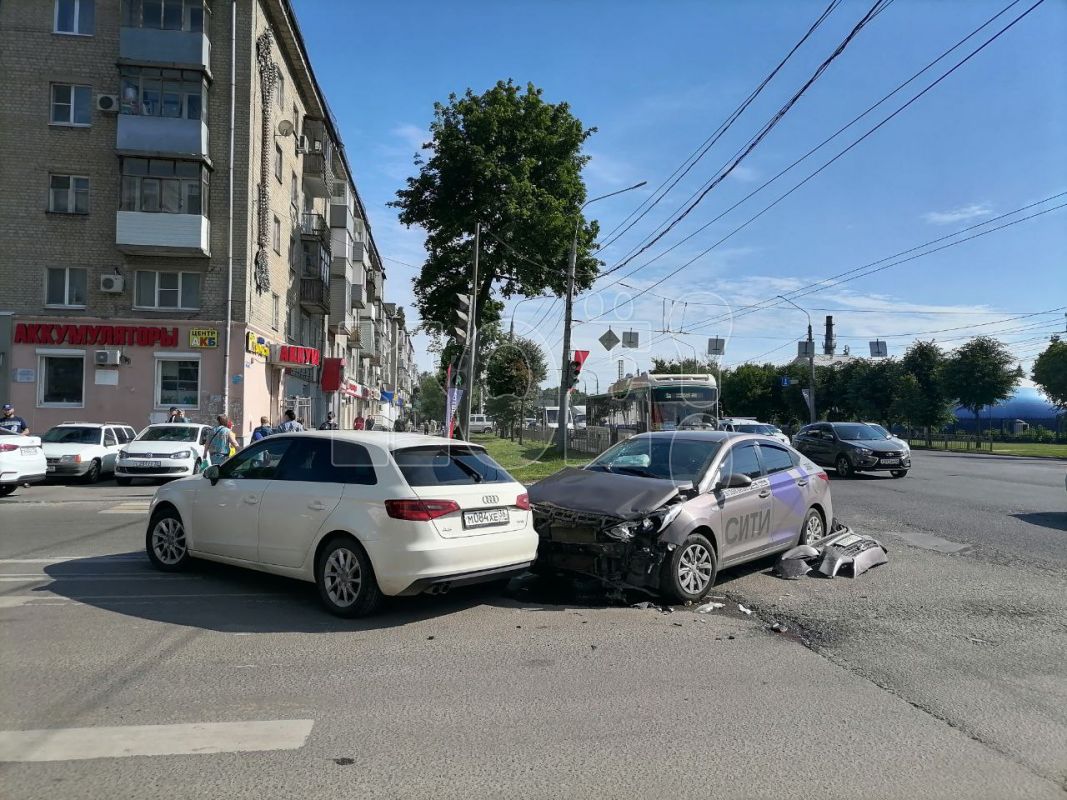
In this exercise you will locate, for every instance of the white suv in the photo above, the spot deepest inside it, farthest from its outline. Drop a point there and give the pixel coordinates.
(165, 450)
(481, 424)
(361, 514)
(85, 449)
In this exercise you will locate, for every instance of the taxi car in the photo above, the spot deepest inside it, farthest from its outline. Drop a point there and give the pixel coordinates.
(84, 449)
(21, 461)
(361, 514)
(165, 450)
(664, 511)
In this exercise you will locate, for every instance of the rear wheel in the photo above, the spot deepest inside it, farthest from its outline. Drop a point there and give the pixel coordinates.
(843, 467)
(813, 529)
(345, 579)
(689, 571)
(165, 542)
(123, 481)
(93, 474)
(8, 489)
(899, 473)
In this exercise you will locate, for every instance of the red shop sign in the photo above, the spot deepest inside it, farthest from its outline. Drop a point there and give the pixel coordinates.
(102, 335)
(292, 355)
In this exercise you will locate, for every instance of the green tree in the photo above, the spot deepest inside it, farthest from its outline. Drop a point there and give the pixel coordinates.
(871, 387)
(513, 162)
(1050, 372)
(747, 391)
(683, 366)
(980, 374)
(926, 403)
(431, 397)
(512, 374)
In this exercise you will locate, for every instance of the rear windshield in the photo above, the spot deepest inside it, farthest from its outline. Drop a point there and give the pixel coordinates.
(444, 465)
(169, 433)
(766, 430)
(71, 435)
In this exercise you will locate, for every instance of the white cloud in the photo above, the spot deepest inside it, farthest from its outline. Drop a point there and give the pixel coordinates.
(412, 135)
(973, 211)
(743, 174)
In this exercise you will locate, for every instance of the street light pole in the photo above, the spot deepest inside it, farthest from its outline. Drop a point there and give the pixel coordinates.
(564, 390)
(811, 358)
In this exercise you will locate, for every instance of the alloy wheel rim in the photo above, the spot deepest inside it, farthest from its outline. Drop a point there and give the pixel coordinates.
(813, 529)
(343, 577)
(168, 541)
(694, 568)
(843, 466)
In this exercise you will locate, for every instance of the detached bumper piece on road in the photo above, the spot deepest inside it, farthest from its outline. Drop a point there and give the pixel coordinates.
(843, 549)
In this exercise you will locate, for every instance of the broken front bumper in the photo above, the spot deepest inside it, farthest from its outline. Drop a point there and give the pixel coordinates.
(842, 549)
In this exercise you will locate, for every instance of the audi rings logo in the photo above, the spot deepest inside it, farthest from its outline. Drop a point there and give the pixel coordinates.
(489, 499)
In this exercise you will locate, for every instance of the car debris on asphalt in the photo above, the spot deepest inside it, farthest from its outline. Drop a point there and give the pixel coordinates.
(744, 610)
(827, 557)
(707, 608)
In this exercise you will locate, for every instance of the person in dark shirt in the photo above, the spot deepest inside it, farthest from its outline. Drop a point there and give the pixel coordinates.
(330, 424)
(263, 431)
(10, 422)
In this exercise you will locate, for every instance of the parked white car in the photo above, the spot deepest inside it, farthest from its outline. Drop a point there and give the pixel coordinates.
(21, 461)
(481, 423)
(752, 426)
(85, 449)
(361, 514)
(164, 450)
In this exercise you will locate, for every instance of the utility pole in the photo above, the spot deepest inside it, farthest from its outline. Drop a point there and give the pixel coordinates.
(811, 358)
(472, 339)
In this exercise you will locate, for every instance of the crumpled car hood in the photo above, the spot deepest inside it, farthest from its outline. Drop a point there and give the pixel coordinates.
(610, 494)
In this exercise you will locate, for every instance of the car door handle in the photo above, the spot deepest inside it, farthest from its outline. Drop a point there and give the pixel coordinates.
(250, 499)
(765, 493)
(317, 505)
(802, 481)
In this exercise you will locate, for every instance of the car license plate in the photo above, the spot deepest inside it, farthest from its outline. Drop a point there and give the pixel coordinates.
(485, 516)
(50, 468)
(148, 464)
(890, 460)
(28, 451)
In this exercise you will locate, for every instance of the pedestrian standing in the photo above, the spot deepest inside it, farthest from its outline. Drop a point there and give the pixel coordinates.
(370, 423)
(359, 423)
(330, 424)
(290, 424)
(176, 415)
(263, 431)
(222, 443)
(10, 422)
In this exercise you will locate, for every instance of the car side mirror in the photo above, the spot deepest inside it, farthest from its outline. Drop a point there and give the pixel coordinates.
(734, 481)
(212, 474)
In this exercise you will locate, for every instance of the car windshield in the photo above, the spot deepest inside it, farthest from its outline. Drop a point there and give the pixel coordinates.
(881, 430)
(855, 431)
(673, 458)
(72, 435)
(445, 465)
(765, 430)
(169, 433)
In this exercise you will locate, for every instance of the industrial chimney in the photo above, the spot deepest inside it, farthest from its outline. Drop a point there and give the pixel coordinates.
(829, 344)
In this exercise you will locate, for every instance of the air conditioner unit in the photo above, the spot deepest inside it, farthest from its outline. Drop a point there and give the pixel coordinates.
(302, 144)
(108, 103)
(107, 358)
(112, 284)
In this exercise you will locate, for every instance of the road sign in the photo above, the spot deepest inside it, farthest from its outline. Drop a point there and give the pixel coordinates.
(786, 380)
(609, 339)
(630, 339)
(716, 346)
(879, 349)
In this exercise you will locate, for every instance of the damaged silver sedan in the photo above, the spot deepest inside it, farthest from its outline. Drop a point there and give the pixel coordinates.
(665, 511)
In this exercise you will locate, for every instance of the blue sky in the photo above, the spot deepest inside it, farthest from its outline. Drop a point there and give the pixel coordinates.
(656, 78)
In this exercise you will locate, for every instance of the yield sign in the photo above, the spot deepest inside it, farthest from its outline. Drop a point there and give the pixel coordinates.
(609, 339)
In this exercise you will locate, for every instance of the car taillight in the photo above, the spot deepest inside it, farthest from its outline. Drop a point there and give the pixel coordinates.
(823, 476)
(523, 502)
(420, 510)
(8, 448)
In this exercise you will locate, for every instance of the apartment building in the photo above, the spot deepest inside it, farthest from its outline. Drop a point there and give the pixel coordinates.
(179, 232)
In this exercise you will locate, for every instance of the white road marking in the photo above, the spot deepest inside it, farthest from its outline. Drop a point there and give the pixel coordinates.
(126, 508)
(75, 744)
(18, 601)
(147, 576)
(61, 559)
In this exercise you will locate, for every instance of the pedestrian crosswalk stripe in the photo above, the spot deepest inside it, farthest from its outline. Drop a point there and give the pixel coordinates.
(76, 744)
(132, 507)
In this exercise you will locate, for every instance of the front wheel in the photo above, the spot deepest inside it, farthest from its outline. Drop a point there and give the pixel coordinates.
(93, 474)
(689, 571)
(899, 473)
(843, 467)
(165, 541)
(345, 579)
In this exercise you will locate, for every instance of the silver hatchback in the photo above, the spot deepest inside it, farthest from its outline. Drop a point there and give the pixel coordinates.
(667, 510)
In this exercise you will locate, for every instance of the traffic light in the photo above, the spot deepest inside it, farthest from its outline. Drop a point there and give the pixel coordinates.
(461, 319)
(576, 367)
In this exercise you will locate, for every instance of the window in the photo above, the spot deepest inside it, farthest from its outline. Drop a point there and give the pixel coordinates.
(124, 434)
(280, 91)
(62, 381)
(278, 162)
(258, 462)
(328, 461)
(154, 92)
(742, 459)
(294, 194)
(68, 194)
(71, 105)
(177, 382)
(167, 290)
(169, 15)
(448, 465)
(776, 459)
(275, 312)
(75, 16)
(110, 440)
(160, 185)
(276, 235)
(65, 286)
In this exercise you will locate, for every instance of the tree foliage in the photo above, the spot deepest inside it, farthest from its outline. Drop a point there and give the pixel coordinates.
(682, 366)
(512, 161)
(1050, 372)
(513, 372)
(430, 402)
(980, 374)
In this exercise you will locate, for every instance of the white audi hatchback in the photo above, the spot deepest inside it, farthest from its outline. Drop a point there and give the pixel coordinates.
(361, 514)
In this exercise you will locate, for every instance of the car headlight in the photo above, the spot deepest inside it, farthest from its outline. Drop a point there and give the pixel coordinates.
(863, 451)
(669, 517)
(181, 454)
(70, 459)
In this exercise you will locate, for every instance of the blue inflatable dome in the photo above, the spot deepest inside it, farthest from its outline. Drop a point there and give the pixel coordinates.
(1027, 404)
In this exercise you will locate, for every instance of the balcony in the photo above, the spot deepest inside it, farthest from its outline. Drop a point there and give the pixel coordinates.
(318, 159)
(173, 48)
(144, 233)
(315, 295)
(368, 341)
(341, 318)
(313, 226)
(359, 295)
(361, 254)
(161, 135)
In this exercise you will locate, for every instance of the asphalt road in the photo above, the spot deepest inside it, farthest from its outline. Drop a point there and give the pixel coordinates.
(940, 674)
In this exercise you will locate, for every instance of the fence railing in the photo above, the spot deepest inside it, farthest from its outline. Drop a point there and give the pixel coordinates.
(590, 441)
(952, 441)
